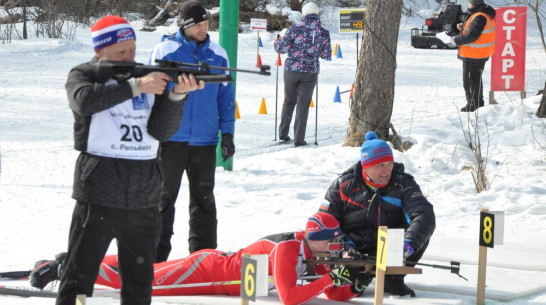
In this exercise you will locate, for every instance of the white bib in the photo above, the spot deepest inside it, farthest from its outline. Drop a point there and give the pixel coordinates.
(121, 131)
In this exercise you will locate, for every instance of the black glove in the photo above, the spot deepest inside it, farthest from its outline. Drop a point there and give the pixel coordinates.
(361, 282)
(341, 276)
(228, 148)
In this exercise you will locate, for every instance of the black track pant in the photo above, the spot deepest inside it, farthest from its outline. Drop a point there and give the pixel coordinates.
(472, 82)
(93, 228)
(199, 163)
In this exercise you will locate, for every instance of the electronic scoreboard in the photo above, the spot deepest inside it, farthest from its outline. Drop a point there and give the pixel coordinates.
(352, 20)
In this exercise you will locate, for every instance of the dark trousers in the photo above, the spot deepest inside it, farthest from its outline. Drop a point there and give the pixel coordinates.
(93, 228)
(199, 163)
(472, 82)
(298, 90)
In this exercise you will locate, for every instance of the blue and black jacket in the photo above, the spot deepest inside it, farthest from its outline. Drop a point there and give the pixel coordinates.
(360, 210)
(206, 111)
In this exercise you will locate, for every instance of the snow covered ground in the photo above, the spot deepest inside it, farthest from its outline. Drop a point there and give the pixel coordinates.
(274, 188)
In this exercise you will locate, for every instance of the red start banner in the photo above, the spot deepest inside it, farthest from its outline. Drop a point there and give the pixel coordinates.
(508, 62)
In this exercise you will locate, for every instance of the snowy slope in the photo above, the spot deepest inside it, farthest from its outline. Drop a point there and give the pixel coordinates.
(275, 188)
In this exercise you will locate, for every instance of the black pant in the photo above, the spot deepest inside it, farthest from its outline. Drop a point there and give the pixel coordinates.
(298, 90)
(199, 162)
(93, 228)
(472, 82)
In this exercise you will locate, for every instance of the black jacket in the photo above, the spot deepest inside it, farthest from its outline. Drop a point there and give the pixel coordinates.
(361, 211)
(475, 28)
(115, 182)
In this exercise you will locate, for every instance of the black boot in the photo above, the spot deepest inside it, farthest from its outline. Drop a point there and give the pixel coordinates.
(46, 271)
(395, 286)
(299, 143)
(284, 138)
(469, 108)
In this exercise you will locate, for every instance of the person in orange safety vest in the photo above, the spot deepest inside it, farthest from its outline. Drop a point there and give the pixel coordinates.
(476, 43)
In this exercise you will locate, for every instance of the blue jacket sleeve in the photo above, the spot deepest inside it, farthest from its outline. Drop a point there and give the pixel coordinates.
(226, 108)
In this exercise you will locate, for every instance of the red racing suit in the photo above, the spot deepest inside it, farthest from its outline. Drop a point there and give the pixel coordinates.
(287, 261)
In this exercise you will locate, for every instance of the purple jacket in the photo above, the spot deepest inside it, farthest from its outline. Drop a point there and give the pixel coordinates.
(305, 42)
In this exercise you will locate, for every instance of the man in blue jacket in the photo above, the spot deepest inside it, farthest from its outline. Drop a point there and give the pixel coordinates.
(193, 147)
(305, 42)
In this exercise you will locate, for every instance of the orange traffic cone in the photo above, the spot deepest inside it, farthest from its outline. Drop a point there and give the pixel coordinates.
(259, 62)
(335, 49)
(237, 114)
(311, 105)
(278, 62)
(263, 109)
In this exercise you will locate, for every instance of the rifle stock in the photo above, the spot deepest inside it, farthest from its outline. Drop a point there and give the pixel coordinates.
(334, 257)
(201, 71)
(367, 266)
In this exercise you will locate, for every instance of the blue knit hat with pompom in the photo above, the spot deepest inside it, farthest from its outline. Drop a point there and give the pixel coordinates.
(374, 151)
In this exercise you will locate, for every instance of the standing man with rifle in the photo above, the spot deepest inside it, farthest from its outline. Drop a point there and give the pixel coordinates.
(117, 129)
(192, 149)
(377, 192)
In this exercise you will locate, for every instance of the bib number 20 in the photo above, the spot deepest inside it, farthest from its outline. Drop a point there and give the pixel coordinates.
(131, 133)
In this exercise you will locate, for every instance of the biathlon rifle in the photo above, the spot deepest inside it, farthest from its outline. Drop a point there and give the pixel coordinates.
(335, 257)
(202, 71)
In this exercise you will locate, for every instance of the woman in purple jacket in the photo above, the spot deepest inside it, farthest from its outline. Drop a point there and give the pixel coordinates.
(304, 42)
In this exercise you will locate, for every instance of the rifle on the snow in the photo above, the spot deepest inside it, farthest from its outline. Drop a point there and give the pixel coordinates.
(367, 262)
(202, 71)
(15, 275)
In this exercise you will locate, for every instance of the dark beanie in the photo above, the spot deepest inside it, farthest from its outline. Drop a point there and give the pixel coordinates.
(476, 2)
(191, 13)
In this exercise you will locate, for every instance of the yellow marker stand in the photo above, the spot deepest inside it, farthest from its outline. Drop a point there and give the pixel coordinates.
(381, 265)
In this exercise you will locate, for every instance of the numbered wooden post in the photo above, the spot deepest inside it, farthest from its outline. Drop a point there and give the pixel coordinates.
(248, 279)
(486, 240)
(381, 265)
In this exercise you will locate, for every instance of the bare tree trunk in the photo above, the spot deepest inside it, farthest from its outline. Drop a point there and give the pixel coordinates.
(539, 23)
(541, 112)
(25, 33)
(373, 94)
(162, 15)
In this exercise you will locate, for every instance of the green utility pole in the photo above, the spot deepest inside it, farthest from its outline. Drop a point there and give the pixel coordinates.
(229, 30)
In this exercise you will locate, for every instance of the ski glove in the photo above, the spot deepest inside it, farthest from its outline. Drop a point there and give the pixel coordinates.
(341, 276)
(361, 282)
(228, 148)
(408, 249)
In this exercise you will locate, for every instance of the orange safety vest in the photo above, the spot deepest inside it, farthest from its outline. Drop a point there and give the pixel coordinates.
(484, 46)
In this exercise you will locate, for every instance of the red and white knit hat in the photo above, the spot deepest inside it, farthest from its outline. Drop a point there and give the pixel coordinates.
(110, 30)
